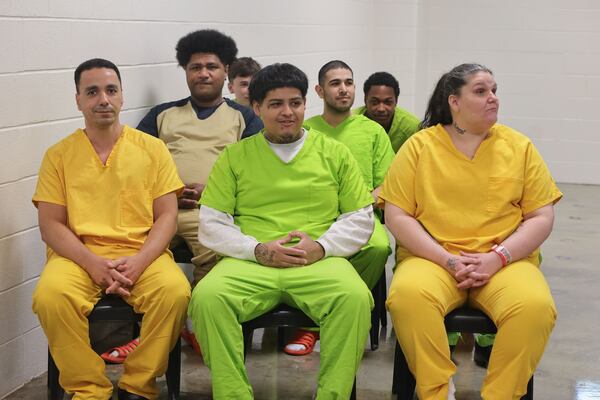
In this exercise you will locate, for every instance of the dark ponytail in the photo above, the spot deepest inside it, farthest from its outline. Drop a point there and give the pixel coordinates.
(438, 109)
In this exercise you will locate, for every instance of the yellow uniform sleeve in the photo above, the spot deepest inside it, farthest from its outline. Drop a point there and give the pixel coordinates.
(539, 188)
(51, 183)
(399, 185)
(167, 179)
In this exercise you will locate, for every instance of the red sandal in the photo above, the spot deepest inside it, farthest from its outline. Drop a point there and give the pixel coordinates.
(117, 355)
(190, 339)
(305, 338)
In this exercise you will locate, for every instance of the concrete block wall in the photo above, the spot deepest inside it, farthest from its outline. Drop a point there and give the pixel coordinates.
(546, 59)
(544, 53)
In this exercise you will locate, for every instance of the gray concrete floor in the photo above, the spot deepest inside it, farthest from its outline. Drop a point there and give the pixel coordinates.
(570, 368)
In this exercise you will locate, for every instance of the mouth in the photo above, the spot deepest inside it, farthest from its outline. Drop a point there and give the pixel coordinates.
(286, 124)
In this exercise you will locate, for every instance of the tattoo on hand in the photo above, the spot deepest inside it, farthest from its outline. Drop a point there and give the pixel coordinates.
(262, 254)
(451, 264)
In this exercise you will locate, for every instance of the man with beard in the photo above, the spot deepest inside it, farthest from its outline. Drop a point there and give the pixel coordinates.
(370, 146)
(281, 242)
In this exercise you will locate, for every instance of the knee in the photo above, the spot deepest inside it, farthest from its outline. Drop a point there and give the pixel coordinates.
(175, 289)
(357, 295)
(206, 295)
(405, 297)
(539, 310)
(49, 295)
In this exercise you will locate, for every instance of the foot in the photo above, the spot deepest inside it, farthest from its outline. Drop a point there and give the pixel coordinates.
(302, 344)
(118, 355)
(481, 355)
(190, 338)
(125, 395)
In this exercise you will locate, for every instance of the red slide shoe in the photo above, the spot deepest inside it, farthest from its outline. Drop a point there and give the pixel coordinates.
(302, 344)
(117, 355)
(190, 339)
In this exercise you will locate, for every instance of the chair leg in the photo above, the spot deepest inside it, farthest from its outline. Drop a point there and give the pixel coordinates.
(383, 294)
(247, 340)
(529, 394)
(55, 391)
(173, 374)
(403, 381)
(353, 393)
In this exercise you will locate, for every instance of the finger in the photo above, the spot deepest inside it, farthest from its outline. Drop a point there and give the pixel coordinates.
(121, 291)
(299, 234)
(286, 239)
(294, 251)
(112, 288)
(122, 279)
(478, 276)
(290, 260)
(467, 283)
(479, 283)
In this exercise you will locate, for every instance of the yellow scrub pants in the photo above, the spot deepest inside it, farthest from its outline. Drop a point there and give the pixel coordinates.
(329, 291)
(187, 231)
(65, 295)
(517, 299)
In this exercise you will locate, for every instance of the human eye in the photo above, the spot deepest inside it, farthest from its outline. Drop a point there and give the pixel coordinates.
(91, 92)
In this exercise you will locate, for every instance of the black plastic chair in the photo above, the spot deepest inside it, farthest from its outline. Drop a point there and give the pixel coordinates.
(379, 313)
(463, 319)
(283, 316)
(113, 308)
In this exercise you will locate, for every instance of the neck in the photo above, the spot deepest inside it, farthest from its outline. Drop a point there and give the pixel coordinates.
(284, 139)
(334, 118)
(207, 103)
(103, 138)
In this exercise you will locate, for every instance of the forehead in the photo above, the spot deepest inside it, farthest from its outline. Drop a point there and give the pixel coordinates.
(283, 93)
(338, 73)
(98, 77)
(481, 77)
(381, 92)
(240, 78)
(205, 58)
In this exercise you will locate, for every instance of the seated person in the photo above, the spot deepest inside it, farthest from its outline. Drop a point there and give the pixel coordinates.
(370, 146)
(470, 202)
(284, 207)
(106, 197)
(239, 75)
(381, 91)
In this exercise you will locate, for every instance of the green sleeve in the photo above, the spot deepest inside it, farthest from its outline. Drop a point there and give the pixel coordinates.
(383, 155)
(220, 190)
(353, 193)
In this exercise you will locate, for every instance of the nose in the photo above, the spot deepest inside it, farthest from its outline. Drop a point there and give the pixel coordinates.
(103, 98)
(286, 110)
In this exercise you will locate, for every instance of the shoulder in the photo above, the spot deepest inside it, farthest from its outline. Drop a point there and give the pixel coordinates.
(66, 145)
(365, 123)
(160, 108)
(401, 113)
(315, 121)
(360, 110)
(326, 145)
(150, 144)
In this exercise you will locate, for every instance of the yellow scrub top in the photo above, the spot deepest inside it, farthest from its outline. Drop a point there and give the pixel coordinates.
(109, 207)
(468, 204)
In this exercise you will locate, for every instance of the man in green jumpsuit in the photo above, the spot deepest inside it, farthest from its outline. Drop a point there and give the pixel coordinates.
(285, 208)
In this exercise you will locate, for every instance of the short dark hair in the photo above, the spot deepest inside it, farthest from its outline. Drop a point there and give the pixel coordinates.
(438, 109)
(94, 63)
(243, 66)
(206, 41)
(382, 79)
(276, 76)
(333, 64)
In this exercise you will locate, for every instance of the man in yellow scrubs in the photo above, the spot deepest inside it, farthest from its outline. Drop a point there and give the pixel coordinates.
(107, 203)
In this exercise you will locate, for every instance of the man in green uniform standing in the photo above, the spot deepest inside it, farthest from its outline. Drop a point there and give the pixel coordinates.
(285, 208)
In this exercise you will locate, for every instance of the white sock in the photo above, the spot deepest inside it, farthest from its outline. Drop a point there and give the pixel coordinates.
(189, 326)
(295, 347)
(451, 390)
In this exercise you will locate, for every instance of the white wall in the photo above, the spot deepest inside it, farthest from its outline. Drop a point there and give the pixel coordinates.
(545, 54)
(546, 58)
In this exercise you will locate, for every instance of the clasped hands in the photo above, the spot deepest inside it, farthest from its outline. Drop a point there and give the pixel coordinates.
(276, 254)
(116, 276)
(472, 270)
